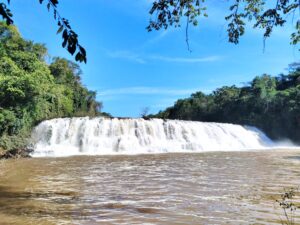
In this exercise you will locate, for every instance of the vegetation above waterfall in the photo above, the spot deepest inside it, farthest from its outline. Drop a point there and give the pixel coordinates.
(31, 90)
(269, 103)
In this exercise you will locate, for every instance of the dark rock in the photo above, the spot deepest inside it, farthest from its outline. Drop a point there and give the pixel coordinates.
(16, 153)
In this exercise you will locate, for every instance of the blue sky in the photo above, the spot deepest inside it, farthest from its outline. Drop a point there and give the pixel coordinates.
(131, 69)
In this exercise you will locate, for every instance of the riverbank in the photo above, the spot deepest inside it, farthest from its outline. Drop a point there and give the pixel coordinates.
(15, 153)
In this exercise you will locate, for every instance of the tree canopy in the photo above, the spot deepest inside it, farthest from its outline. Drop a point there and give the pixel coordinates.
(270, 103)
(32, 90)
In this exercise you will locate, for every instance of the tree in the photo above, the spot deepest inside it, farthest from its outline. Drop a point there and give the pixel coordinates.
(68, 74)
(31, 90)
(145, 112)
(70, 38)
(269, 103)
(170, 13)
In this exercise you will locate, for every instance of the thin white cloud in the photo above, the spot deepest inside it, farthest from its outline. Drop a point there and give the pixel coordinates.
(185, 59)
(164, 103)
(127, 55)
(138, 58)
(149, 91)
(161, 35)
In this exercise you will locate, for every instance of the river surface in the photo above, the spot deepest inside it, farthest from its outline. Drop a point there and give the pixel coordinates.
(202, 188)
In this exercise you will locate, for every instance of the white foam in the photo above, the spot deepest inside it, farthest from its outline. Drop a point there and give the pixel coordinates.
(103, 136)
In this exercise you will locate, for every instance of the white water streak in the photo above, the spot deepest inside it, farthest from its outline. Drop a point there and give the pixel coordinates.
(103, 136)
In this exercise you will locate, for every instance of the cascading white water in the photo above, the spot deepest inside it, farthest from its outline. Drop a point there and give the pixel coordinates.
(101, 136)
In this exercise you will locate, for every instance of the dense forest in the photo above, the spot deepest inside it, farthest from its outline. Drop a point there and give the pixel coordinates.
(269, 103)
(32, 90)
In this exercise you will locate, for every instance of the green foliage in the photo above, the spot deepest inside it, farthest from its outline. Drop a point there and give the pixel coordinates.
(170, 12)
(270, 103)
(32, 91)
(8, 142)
(70, 38)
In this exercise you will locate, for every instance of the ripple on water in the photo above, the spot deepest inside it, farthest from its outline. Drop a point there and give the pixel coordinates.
(206, 188)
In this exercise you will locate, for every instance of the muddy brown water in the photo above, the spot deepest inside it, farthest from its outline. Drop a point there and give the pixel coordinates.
(203, 188)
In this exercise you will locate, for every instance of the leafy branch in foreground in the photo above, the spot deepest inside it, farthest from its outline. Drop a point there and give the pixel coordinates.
(288, 206)
(169, 13)
(70, 38)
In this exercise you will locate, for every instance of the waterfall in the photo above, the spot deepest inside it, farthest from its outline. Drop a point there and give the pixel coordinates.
(102, 136)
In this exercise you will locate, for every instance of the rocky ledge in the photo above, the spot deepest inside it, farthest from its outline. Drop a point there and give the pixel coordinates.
(16, 153)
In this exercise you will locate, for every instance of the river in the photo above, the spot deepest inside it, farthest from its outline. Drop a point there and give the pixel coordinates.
(174, 188)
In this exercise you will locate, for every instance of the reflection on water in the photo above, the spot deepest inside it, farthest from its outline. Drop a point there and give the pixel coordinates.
(206, 188)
